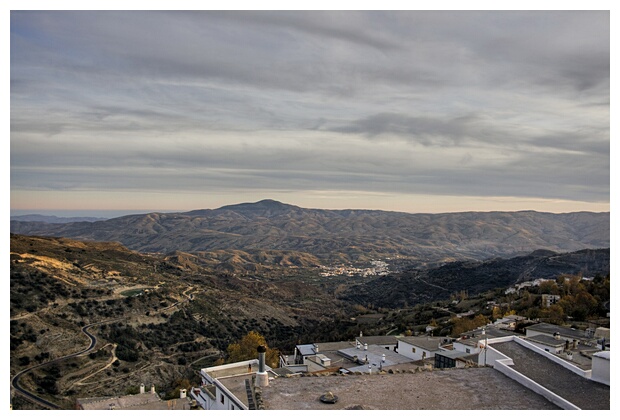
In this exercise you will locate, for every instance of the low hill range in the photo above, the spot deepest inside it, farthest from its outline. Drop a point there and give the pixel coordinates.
(341, 235)
(54, 219)
(413, 286)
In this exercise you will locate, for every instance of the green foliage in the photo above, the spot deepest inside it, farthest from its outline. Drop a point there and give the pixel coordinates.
(553, 314)
(176, 387)
(132, 390)
(549, 287)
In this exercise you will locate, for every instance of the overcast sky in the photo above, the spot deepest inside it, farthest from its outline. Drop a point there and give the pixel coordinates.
(412, 111)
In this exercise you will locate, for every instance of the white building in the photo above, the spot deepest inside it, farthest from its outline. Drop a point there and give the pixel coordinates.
(601, 367)
(419, 348)
(558, 332)
(508, 322)
(548, 344)
(220, 383)
(472, 342)
(233, 386)
(548, 300)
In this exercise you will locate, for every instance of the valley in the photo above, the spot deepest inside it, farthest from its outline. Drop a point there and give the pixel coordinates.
(159, 314)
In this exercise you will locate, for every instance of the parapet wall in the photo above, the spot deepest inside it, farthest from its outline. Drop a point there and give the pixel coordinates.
(502, 363)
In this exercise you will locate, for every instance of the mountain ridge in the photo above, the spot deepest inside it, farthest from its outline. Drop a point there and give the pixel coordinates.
(357, 234)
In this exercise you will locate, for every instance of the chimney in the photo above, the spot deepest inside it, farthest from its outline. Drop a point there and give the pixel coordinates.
(574, 343)
(152, 389)
(183, 393)
(316, 348)
(365, 346)
(141, 388)
(383, 357)
(261, 376)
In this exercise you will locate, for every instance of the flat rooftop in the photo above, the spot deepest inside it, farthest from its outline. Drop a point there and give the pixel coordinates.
(450, 389)
(146, 401)
(236, 385)
(564, 332)
(424, 342)
(582, 392)
(374, 354)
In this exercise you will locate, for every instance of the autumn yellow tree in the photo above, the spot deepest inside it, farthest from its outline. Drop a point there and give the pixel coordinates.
(246, 349)
(461, 325)
(549, 287)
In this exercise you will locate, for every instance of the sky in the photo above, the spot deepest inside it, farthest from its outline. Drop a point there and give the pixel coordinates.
(420, 111)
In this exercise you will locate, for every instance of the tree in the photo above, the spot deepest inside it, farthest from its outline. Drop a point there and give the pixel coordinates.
(549, 287)
(461, 325)
(246, 349)
(176, 387)
(497, 313)
(554, 314)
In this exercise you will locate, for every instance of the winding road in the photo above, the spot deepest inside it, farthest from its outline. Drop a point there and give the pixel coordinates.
(35, 398)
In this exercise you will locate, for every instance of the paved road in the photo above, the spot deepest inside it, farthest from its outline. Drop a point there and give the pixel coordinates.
(35, 398)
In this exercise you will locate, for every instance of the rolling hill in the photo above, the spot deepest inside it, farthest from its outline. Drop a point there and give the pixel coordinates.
(413, 286)
(341, 235)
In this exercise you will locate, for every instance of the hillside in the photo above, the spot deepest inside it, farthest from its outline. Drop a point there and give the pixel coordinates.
(159, 318)
(162, 317)
(342, 235)
(411, 287)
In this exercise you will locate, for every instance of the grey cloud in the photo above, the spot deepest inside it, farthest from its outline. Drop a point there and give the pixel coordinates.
(583, 142)
(295, 51)
(333, 25)
(150, 100)
(428, 131)
(472, 129)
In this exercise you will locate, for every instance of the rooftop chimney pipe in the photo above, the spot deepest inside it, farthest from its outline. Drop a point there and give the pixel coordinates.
(261, 376)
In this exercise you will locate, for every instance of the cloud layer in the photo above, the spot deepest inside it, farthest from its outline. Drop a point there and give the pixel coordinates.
(459, 104)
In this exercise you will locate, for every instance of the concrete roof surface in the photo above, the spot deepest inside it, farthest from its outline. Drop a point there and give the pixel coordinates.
(582, 392)
(449, 389)
(552, 329)
(424, 342)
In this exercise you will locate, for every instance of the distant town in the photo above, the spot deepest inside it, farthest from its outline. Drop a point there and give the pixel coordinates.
(379, 268)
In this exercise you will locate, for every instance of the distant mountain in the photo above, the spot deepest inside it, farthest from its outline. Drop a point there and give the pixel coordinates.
(411, 287)
(54, 219)
(342, 235)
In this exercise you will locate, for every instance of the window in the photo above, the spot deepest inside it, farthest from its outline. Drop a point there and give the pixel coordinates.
(467, 350)
(413, 349)
(222, 398)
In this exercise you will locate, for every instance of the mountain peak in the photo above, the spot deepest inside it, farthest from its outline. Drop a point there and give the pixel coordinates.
(263, 208)
(271, 203)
